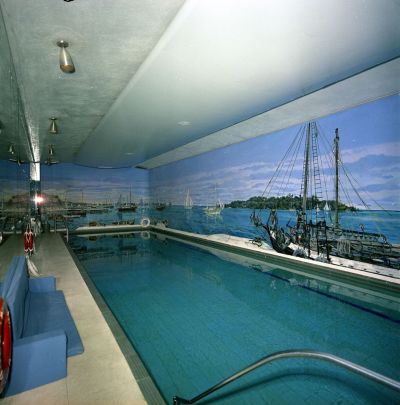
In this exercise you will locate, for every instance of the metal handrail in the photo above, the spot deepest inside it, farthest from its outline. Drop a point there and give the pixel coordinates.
(372, 375)
(66, 227)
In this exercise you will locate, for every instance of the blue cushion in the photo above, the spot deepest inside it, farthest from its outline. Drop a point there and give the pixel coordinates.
(44, 333)
(42, 284)
(15, 289)
(49, 311)
(10, 273)
(37, 360)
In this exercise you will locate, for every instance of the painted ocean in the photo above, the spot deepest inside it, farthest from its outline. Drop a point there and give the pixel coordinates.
(236, 221)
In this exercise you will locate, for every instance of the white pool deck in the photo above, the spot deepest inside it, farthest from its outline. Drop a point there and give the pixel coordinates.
(100, 375)
(244, 245)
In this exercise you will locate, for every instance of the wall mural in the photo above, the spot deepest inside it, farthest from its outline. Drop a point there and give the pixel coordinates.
(224, 186)
(79, 194)
(218, 191)
(14, 194)
(90, 195)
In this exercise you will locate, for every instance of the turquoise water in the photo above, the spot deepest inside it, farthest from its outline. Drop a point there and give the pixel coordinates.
(236, 221)
(195, 319)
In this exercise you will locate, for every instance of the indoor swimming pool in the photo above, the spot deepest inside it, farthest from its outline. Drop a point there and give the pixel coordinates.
(196, 315)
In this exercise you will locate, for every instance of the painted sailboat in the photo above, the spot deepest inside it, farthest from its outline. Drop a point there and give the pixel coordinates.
(128, 206)
(215, 209)
(313, 233)
(188, 203)
(160, 206)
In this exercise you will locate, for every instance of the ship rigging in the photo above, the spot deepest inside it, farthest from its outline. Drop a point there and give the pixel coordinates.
(314, 233)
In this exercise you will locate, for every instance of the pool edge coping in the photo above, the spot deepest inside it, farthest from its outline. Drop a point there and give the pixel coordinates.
(313, 267)
(146, 383)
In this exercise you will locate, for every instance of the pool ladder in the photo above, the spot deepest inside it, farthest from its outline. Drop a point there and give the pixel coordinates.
(372, 375)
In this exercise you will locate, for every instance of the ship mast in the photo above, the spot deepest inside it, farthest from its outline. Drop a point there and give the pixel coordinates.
(306, 170)
(337, 178)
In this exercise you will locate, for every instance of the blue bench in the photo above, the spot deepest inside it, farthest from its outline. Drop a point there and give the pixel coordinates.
(44, 333)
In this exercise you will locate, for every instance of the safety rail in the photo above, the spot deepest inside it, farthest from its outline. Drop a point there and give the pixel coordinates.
(67, 230)
(372, 375)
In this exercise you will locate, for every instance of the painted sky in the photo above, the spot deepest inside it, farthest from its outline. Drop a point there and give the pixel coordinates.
(14, 179)
(77, 183)
(370, 150)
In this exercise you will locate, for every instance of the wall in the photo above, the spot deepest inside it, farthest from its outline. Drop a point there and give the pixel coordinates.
(76, 183)
(94, 191)
(14, 194)
(14, 149)
(370, 150)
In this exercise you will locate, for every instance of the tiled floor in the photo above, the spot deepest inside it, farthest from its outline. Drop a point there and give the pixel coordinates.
(101, 374)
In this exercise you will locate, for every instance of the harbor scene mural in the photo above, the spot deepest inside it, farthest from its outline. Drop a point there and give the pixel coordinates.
(333, 182)
(235, 180)
(340, 171)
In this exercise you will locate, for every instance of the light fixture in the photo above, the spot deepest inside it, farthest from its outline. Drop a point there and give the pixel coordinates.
(17, 160)
(50, 161)
(53, 126)
(11, 149)
(38, 199)
(51, 150)
(66, 64)
(184, 123)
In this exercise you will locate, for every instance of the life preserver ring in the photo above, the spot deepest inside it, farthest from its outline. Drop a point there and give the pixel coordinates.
(6, 344)
(145, 222)
(28, 240)
(145, 235)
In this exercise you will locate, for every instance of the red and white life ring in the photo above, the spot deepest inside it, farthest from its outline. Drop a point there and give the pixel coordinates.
(28, 240)
(6, 344)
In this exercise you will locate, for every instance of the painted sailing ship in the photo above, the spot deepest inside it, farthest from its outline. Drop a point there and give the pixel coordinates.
(215, 209)
(160, 206)
(128, 206)
(188, 203)
(313, 233)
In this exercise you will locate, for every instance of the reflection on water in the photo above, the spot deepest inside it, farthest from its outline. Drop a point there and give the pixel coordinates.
(196, 315)
(126, 245)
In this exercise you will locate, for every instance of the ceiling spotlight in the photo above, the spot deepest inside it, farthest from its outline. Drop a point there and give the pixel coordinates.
(184, 123)
(11, 149)
(50, 161)
(51, 150)
(66, 64)
(18, 161)
(53, 126)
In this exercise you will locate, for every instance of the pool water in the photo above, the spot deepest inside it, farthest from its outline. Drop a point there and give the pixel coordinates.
(196, 316)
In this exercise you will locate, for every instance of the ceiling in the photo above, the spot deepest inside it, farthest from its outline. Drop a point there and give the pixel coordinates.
(162, 80)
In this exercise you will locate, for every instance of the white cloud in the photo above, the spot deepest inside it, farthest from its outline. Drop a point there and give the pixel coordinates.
(355, 154)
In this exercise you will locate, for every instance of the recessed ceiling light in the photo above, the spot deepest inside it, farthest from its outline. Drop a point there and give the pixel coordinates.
(184, 123)
(129, 153)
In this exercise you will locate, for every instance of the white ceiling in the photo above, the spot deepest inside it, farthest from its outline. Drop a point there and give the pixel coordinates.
(157, 81)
